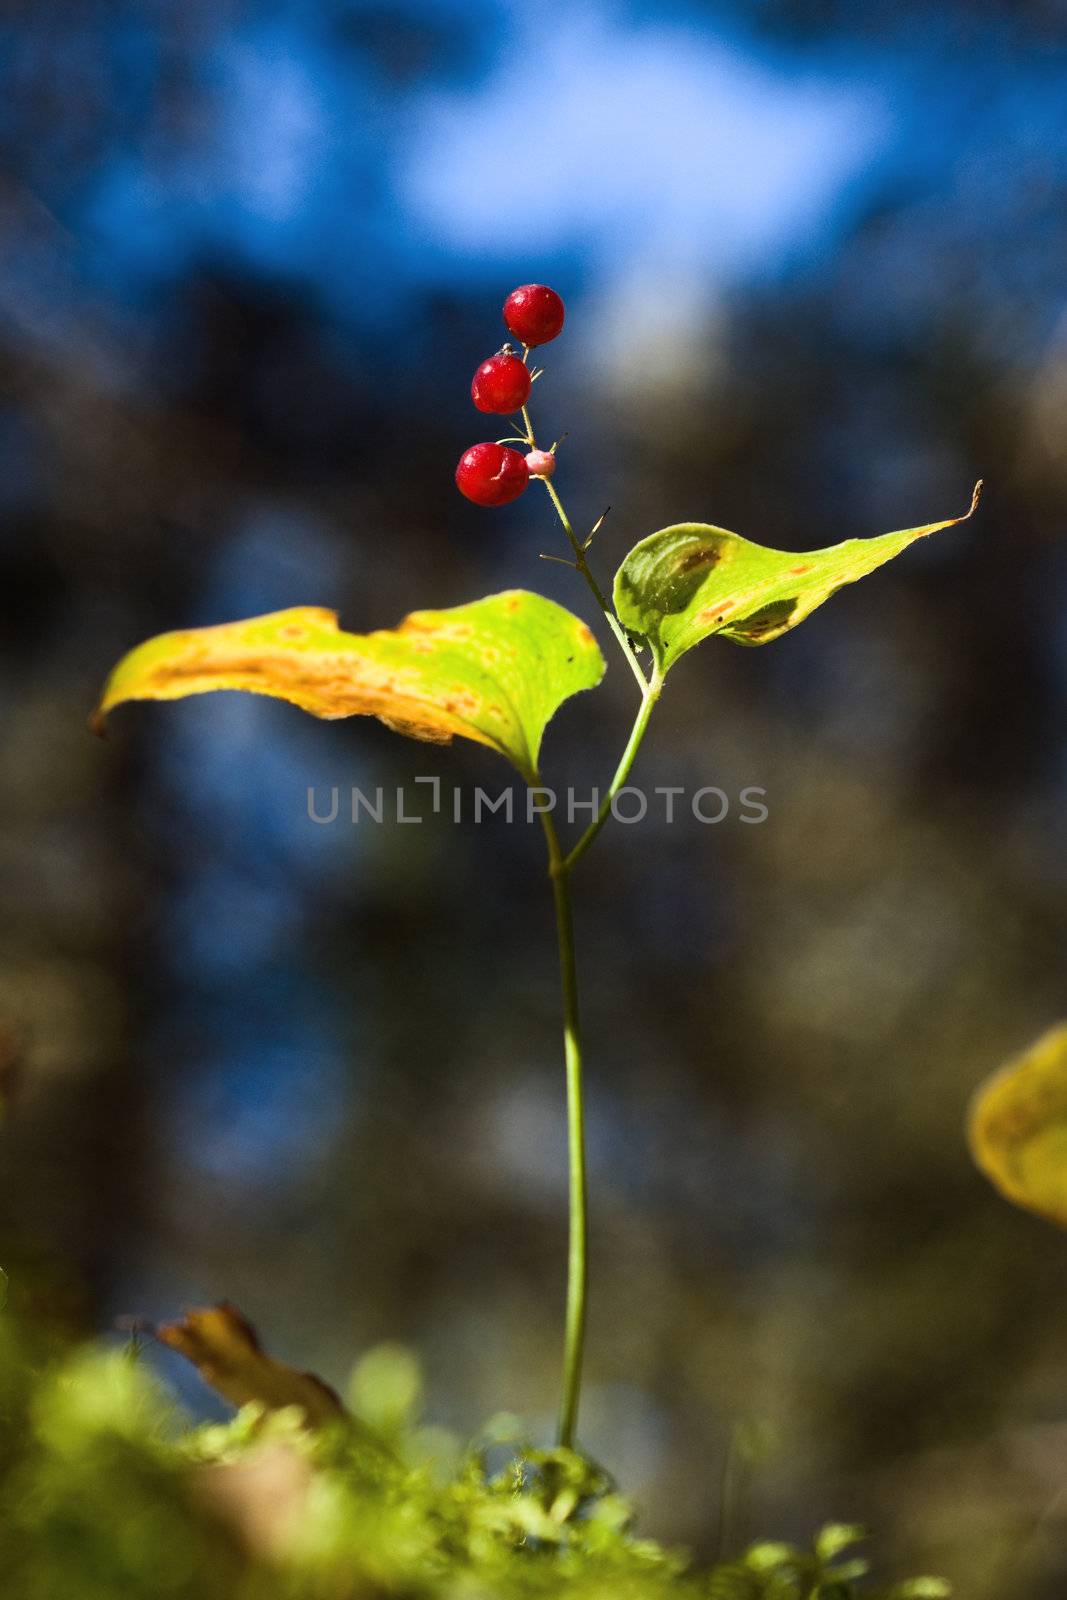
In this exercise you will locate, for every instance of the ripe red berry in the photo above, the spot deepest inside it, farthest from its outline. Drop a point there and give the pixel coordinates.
(540, 463)
(502, 383)
(491, 474)
(534, 313)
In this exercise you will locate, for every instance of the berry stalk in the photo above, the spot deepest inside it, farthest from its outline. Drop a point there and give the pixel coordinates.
(582, 565)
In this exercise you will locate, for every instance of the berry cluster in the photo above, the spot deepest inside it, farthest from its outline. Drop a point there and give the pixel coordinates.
(491, 474)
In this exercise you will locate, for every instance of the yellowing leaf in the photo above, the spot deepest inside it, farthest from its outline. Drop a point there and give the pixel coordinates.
(689, 581)
(1018, 1128)
(226, 1351)
(494, 671)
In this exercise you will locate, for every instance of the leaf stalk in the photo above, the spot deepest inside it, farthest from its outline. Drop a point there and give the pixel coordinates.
(649, 697)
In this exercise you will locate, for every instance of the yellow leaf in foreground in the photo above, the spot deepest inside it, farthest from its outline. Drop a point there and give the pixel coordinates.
(494, 671)
(1018, 1128)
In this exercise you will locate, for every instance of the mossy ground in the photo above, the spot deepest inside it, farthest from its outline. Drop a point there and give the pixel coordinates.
(106, 1493)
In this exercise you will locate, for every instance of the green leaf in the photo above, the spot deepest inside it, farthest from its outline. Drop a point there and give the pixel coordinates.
(495, 671)
(837, 1537)
(385, 1389)
(1018, 1128)
(770, 1554)
(686, 582)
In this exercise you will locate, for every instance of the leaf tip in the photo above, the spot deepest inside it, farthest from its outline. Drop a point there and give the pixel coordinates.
(976, 495)
(97, 722)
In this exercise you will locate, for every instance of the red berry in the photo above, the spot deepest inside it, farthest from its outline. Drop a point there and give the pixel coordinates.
(534, 313)
(541, 463)
(491, 474)
(502, 383)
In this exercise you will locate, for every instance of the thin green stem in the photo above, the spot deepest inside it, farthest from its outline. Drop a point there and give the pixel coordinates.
(559, 868)
(598, 595)
(577, 1250)
(731, 1495)
(649, 696)
(579, 554)
(582, 564)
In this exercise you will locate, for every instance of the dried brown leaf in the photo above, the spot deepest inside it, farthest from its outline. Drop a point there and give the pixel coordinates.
(225, 1349)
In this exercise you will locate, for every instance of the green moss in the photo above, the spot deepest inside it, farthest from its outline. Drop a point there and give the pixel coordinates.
(104, 1493)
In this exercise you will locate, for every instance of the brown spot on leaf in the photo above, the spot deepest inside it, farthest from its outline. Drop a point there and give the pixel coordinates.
(769, 620)
(428, 732)
(798, 572)
(713, 614)
(702, 559)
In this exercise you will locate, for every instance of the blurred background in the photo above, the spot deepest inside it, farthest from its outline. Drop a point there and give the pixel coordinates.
(813, 258)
